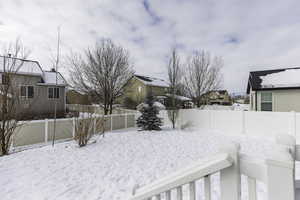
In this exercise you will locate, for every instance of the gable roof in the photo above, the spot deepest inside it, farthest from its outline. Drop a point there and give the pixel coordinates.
(151, 81)
(285, 78)
(31, 67)
(20, 66)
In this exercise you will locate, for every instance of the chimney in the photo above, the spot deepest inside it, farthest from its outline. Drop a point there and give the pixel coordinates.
(53, 69)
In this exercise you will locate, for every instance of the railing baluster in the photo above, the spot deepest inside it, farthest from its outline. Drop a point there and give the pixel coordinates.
(192, 190)
(168, 195)
(157, 197)
(179, 193)
(251, 189)
(207, 188)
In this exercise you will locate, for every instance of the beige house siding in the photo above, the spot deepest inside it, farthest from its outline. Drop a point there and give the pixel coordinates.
(282, 100)
(137, 90)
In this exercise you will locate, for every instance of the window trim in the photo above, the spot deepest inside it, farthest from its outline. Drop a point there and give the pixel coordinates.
(265, 102)
(53, 98)
(26, 91)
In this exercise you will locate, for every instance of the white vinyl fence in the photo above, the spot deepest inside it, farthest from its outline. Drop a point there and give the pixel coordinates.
(41, 131)
(240, 122)
(97, 109)
(277, 173)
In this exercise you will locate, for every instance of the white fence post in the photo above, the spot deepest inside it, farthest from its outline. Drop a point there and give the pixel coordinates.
(252, 189)
(231, 177)
(293, 124)
(111, 122)
(46, 131)
(73, 127)
(243, 122)
(210, 119)
(280, 177)
(94, 125)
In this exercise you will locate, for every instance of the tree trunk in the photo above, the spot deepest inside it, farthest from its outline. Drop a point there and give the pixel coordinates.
(111, 107)
(173, 120)
(4, 151)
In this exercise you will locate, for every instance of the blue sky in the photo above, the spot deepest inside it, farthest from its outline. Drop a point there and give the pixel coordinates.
(249, 35)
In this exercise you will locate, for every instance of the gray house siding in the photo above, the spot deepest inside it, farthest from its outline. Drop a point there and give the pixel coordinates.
(282, 100)
(40, 104)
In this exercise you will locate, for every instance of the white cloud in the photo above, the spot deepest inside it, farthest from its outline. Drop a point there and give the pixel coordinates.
(247, 34)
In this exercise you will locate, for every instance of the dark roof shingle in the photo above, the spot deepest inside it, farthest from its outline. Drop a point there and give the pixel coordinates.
(254, 80)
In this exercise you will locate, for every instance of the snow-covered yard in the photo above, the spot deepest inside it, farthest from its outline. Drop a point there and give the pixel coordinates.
(111, 168)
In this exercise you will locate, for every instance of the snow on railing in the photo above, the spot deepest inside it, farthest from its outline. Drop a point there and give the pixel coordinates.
(277, 172)
(202, 169)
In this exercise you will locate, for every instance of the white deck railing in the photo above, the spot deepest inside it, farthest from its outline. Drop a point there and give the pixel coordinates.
(277, 172)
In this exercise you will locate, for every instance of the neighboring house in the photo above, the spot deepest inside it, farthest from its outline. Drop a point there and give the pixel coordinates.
(138, 87)
(181, 101)
(220, 97)
(76, 97)
(275, 90)
(38, 89)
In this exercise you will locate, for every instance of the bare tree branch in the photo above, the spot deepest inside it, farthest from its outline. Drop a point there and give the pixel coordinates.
(102, 71)
(13, 57)
(175, 77)
(203, 74)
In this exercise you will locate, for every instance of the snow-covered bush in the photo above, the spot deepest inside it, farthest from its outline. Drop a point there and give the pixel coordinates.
(156, 104)
(149, 119)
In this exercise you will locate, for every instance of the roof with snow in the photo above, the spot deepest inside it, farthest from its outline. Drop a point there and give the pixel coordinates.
(287, 78)
(30, 67)
(152, 81)
(49, 78)
(20, 66)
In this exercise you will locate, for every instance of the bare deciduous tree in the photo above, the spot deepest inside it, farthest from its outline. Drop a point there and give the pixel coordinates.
(10, 92)
(175, 77)
(102, 71)
(203, 74)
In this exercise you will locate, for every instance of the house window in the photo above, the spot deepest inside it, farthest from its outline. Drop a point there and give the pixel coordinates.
(140, 89)
(5, 79)
(53, 93)
(27, 91)
(266, 101)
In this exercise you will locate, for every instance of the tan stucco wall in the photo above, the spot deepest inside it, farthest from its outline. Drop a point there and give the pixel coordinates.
(74, 97)
(282, 100)
(131, 90)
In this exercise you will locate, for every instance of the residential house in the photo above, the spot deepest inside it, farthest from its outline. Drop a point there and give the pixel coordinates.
(138, 87)
(37, 89)
(181, 101)
(275, 90)
(76, 97)
(220, 97)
